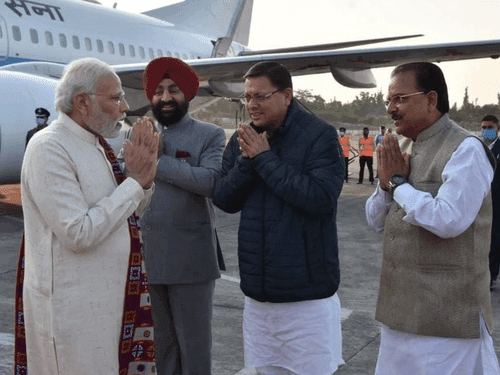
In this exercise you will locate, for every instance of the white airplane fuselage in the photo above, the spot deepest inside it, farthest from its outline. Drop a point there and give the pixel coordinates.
(66, 30)
(59, 31)
(38, 37)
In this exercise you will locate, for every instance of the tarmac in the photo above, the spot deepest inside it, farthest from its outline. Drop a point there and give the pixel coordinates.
(360, 261)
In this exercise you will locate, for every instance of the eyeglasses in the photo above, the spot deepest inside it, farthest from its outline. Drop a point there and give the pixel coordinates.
(399, 99)
(259, 98)
(119, 99)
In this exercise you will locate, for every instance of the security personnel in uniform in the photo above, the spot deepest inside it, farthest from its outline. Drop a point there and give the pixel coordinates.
(42, 121)
(366, 147)
(345, 142)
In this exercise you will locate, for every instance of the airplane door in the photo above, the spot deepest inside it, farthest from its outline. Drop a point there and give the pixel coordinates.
(4, 41)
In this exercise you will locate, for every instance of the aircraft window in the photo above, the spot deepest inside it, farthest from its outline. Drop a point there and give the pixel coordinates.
(76, 42)
(88, 44)
(169, 54)
(111, 48)
(48, 38)
(34, 36)
(131, 50)
(100, 47)
(192, 57)
(1, 33)
(160, 53)
(16, 33)
(176, 54)
(141, 52)
(184, 56)
(121, 47)
(63, 41)
(151, 53)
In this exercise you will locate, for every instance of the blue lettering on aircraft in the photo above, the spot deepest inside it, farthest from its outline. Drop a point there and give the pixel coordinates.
(37, 8)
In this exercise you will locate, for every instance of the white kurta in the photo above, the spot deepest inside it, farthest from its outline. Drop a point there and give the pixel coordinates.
(77, 247)
(466, 182)
(302, 338)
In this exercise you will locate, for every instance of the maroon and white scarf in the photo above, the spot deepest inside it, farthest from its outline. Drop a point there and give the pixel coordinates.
(137, 347)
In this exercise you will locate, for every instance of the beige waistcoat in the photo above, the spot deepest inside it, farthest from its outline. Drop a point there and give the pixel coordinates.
(430, 285)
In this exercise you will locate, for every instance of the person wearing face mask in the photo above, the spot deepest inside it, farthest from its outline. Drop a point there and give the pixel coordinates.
(489, 133)
(345, 142)
(378, 139)
(380, 136)
(42, 121)
(366, 147)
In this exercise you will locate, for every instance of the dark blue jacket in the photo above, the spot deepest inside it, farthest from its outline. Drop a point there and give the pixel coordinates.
(287, 241)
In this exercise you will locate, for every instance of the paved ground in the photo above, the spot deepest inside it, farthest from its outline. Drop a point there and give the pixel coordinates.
(360, 259)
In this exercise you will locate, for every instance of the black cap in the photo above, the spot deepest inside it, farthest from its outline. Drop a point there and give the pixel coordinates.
(42, 112)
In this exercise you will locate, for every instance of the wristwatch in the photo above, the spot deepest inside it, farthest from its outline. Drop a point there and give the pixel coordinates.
(394, 182)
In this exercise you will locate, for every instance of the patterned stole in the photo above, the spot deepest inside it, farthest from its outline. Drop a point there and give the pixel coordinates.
(137, 347)
(20, 359)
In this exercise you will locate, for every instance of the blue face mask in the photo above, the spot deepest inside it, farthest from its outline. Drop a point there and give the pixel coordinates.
(40, 121)
(489, 134)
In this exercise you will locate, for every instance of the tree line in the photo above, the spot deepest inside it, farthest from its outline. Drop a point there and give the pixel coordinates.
(365, 110)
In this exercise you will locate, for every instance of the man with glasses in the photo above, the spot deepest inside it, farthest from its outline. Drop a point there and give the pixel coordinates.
(81, 238)
(179, 226)
(284, 171)
(433, 203)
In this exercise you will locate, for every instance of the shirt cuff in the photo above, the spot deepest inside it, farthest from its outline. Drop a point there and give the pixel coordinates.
(150, 191)
(407, 196)
(382, 195)
(377, 207)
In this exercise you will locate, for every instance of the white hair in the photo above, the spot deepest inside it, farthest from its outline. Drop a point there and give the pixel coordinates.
(80, 75)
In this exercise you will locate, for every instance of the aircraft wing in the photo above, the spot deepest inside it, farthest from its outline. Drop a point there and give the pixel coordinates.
(350, 67)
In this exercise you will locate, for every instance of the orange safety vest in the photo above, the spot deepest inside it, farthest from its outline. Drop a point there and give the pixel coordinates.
(366, 146)
(345, 146)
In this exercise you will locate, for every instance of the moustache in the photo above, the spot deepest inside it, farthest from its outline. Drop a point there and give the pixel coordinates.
(395, 116)
(162, 104)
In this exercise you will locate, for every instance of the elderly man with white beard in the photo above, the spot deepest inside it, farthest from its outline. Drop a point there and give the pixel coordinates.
(82, 303)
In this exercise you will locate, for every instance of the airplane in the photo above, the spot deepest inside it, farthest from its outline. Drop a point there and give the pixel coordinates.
(37, 39)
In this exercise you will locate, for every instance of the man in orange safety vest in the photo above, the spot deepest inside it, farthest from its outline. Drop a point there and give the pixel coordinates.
(366, 147)
(345, 142)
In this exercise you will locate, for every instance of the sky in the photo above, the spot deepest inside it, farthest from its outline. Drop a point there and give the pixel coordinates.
(285, 23)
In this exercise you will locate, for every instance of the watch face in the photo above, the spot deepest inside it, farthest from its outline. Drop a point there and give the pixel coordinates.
(398, 180)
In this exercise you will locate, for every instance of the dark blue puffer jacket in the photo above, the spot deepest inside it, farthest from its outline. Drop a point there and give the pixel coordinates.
(287, 241)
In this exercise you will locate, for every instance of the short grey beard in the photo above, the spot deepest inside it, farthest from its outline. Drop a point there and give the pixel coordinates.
(107, 128)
